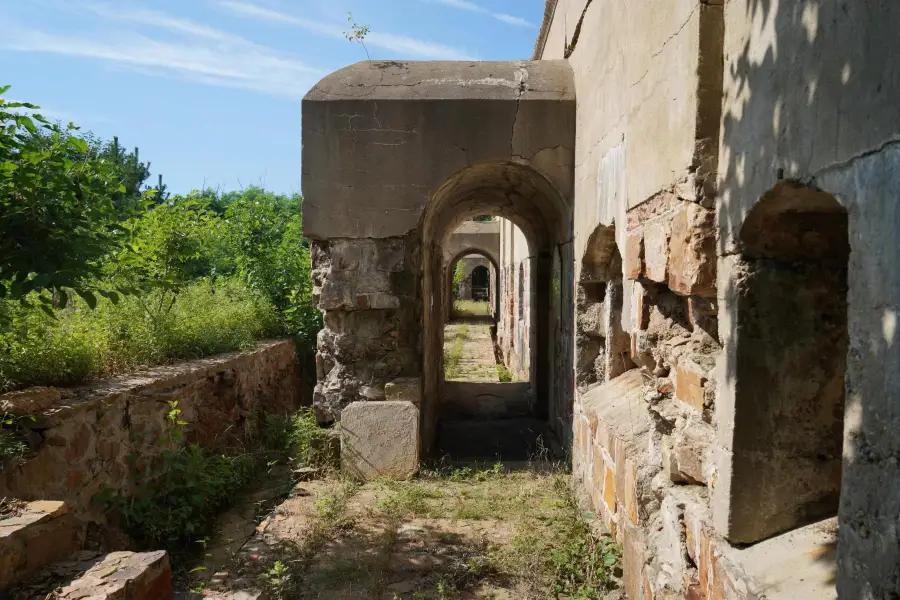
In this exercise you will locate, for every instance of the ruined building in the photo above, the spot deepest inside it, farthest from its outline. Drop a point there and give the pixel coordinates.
(695, 273)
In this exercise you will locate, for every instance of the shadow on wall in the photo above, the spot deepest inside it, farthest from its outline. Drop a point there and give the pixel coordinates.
(810, 95)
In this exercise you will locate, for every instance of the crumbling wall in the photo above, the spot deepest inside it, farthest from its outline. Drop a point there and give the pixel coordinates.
(91, 438)
(689, 114)
(368, 290)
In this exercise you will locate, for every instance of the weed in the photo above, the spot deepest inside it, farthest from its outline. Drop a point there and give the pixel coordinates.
(453, 355)
(175, 493)
(300, 440)
(277, 580)
(13, 443)
(504, 374)
(471, 308)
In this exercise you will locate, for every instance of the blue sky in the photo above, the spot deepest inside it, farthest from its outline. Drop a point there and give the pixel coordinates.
(210, 89)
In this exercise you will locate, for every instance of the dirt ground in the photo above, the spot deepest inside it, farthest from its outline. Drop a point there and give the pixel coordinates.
(457, 533)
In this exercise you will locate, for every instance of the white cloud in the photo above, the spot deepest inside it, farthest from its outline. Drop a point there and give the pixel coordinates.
(472, 7)
(512, 20)
(386, 41)
(223, 62)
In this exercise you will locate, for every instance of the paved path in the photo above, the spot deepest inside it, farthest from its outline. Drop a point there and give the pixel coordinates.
(469, 352)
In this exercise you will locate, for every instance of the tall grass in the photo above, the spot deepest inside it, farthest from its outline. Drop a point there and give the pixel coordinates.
(79, 344)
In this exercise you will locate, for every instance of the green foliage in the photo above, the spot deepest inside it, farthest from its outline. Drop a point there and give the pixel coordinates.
(265, 237)
(98, 276)
(80, 344)
(459, 274)
(176, 493)
(58, 216)
(13, 444)
(583, 563)
(357, 33)
(299, 438)
(504, 374)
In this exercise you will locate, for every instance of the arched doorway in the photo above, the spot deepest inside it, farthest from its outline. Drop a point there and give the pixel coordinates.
(524, 197)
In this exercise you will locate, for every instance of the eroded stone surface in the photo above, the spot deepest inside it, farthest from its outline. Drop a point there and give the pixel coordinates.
(380, 439)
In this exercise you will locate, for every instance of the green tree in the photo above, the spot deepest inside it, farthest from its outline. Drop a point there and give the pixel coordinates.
(168, 248)
(58, 217)
(266, 234)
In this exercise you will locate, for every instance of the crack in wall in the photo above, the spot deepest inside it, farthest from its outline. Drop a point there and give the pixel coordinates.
(577, 33)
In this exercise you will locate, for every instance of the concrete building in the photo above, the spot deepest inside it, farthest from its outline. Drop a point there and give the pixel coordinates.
(701, 290)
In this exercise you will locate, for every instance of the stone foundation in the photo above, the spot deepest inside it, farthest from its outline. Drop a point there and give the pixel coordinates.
(87, 439)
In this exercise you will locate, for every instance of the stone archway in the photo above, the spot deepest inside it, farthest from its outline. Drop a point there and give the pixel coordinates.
(781, 406)
(523, 196)
(450, 266)
(392, 154)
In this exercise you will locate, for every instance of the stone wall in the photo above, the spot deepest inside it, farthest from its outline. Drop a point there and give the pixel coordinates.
(368, 290)
(85, 439)
(740, 158)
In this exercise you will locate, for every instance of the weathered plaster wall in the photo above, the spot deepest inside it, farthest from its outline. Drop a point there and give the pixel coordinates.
(810, 95)
(85, 439)
(514, 327)
(688, 114)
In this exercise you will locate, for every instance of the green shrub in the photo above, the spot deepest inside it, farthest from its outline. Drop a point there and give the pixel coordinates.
(299, 439)
(177, 493)
(80, 344)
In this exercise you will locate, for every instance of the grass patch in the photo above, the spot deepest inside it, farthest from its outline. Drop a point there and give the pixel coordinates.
(542, 544)
(504, 374)
(453, 354)
(80, 344)
(300, 441)
(471, 308)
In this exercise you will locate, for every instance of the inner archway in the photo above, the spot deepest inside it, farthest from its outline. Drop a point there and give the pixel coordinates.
(529, 203)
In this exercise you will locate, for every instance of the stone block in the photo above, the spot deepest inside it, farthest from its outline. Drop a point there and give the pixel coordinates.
(42, 533)
(405, 389)
(690, 451)
(380, 439)
(633, 259)
(692, 251)
(632, 561)
(656, 251)
(609, 489)
(690, 380)
(123, 576)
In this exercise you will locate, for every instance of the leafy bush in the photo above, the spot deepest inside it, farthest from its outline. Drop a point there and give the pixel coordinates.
(165, 277)
(82, 344)
(299, 438)
(58, 210)
(175, 495)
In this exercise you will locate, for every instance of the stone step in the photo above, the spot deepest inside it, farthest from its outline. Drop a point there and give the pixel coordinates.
(33, 535)
(95, 576)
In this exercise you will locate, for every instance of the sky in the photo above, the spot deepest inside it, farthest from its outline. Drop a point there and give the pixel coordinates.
(210, 90)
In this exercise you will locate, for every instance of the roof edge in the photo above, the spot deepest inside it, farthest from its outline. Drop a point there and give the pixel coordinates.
(541, 41)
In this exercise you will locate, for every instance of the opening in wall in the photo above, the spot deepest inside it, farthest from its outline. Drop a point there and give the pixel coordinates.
(786, 363)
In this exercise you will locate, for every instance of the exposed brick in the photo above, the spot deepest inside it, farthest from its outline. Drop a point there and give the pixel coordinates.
(633, 259)
(656, 251)
(609, 489)
(692, 251)
(632, 561)
(689, 383)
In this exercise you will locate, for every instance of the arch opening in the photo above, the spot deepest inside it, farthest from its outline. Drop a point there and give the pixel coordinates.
(602, 346)
(786, 363)
(523, 202)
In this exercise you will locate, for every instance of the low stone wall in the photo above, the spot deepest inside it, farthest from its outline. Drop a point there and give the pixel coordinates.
(90, 438)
